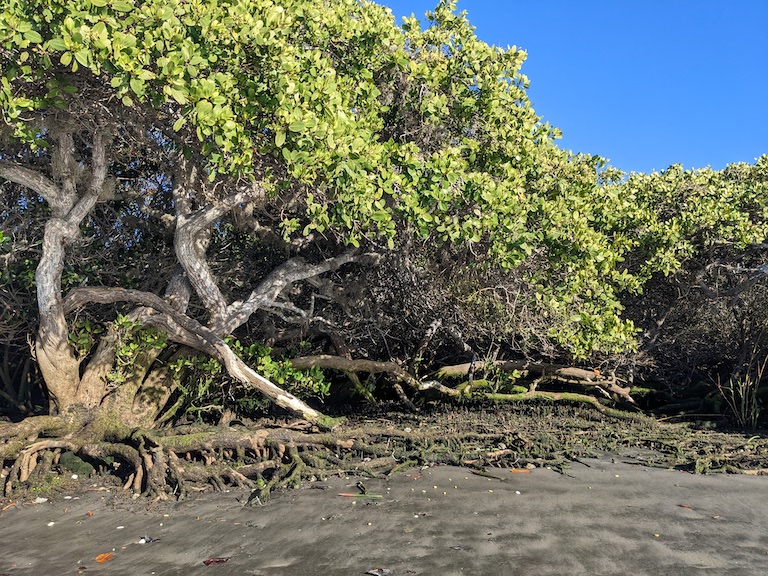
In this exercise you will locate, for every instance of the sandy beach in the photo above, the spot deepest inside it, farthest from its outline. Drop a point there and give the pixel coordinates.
(603, 516)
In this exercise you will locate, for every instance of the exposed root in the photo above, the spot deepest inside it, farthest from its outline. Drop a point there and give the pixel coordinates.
(237, 479)
(267, 459)
(272, 459)
(122, 452)
(288, 474)
(27, 461)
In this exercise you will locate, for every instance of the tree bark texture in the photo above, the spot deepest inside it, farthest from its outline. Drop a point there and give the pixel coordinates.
(71, 198)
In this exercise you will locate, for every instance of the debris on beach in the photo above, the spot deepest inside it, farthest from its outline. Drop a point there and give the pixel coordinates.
(147, 539)
(209, 561)
(487, 475)
(106, 557)
(352, 495)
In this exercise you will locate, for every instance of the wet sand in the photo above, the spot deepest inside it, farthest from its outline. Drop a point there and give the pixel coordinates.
(603, 516)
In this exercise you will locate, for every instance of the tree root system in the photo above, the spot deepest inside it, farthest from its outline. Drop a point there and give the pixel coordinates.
(269, 455)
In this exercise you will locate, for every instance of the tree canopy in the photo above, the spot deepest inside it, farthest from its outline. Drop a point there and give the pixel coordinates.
(358, 124)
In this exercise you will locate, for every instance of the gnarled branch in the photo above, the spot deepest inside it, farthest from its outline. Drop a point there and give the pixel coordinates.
(35, 180)
(186, 330)
(268, 291)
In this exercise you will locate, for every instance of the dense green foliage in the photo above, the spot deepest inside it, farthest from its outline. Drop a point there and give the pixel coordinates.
(364, 134)
(430, 127)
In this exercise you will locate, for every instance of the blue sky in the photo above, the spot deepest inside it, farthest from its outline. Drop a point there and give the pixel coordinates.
(644, 83)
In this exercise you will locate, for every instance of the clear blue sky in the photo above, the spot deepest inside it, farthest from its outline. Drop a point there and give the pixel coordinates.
(645, 83)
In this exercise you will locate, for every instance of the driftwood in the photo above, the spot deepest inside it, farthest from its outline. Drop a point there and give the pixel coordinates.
(543, 372)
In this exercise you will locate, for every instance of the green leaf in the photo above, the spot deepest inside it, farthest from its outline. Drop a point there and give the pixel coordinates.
(122, 5)
(33, 36)
(203, 108)
(137, 86)
(56, 44)
(280, 138)
(100, 33)
(83, 56)
(177, 95)
(297, 126)
(179, 123)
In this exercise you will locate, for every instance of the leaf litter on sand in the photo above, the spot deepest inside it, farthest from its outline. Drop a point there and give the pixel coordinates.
(106, 557)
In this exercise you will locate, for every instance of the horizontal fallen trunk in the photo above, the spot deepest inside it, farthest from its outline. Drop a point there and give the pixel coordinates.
(563, 374)
(542, 372)
(350, 366)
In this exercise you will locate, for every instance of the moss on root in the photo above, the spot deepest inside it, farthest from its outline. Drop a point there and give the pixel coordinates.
(264, 457)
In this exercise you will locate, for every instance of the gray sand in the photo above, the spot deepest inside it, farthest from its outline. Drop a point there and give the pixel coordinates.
(605, 516)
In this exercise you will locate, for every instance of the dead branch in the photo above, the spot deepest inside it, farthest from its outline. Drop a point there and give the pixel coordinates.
(546, 373)
(268, 291)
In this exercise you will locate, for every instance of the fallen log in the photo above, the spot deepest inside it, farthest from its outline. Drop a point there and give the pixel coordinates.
(543, 372)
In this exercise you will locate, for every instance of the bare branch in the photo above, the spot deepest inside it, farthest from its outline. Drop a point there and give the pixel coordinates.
(79, 297)
(193, 233)
(207, 216)
(294, 270)
(63, 163)
(36, 181)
